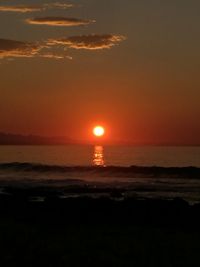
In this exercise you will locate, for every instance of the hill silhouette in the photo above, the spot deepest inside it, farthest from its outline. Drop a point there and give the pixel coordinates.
(17, 139)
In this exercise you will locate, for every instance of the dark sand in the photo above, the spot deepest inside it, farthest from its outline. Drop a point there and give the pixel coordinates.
(96, 232)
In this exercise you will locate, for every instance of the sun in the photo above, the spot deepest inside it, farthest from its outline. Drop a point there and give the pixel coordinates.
(98, 131)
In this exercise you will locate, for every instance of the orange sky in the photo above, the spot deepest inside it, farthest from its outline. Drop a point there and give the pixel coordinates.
(134, 70)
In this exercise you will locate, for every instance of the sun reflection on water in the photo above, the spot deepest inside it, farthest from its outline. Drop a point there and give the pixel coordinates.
(98, 156)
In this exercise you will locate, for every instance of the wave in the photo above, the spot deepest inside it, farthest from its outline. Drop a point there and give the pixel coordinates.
(117, 171)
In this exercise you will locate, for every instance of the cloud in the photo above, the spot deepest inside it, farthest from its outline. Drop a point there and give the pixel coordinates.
(59, 21)
(34, 8)
(54, 56)
(59, 5)
(56, 48)
(15, 49)
(12, 48)
(89, 42)
(22, 9)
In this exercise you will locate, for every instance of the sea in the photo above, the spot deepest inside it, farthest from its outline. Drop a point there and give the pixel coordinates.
(98, 171)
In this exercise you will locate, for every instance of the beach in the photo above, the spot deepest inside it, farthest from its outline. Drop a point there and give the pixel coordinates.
(67, 215)
(95, 232)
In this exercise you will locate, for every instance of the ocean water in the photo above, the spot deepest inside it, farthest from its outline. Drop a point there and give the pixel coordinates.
(96, 171)
(112, 155)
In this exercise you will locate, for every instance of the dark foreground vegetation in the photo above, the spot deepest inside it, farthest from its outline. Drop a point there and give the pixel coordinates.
(98, 232)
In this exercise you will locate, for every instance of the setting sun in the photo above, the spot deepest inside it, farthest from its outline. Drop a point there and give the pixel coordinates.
(98, 131)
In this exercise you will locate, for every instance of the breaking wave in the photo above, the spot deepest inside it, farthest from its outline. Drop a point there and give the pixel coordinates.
(109, 171)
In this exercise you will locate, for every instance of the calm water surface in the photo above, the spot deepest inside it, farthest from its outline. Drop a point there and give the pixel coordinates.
(111, 155)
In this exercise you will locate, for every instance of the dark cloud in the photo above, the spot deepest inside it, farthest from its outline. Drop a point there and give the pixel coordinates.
(54, 48)
(16, 49)
(12, 48)
(59, 21)
(89, 42)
